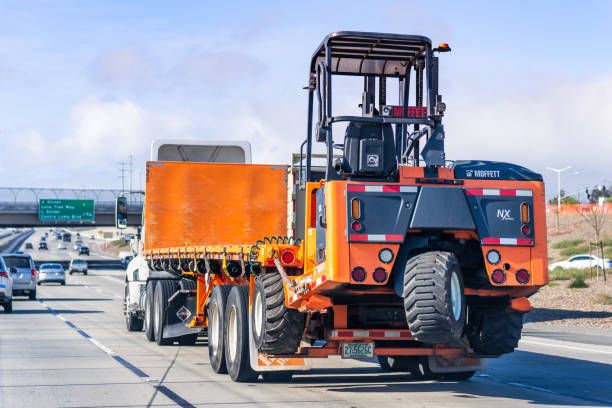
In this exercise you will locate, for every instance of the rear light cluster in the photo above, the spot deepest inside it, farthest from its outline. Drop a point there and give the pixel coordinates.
(525, 229)
(3, 274)
(499, 275)
(359, 274)
(287, 257)
(33, 273)
(356, 205)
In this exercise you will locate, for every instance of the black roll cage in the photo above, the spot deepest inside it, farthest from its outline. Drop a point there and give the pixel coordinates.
(374, 56)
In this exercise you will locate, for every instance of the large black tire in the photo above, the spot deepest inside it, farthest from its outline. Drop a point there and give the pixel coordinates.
(216, 320)
(236, 332)
(8, 307)
(495, 332)
(132, 321)
(394, 364)
(32, 295)
(276, 329)
(431, 279)
(149, 320)
(163, 290)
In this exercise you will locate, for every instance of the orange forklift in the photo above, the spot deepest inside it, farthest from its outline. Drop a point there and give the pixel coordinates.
(385, 250)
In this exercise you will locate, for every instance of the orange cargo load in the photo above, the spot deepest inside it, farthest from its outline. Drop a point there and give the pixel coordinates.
(196, 204)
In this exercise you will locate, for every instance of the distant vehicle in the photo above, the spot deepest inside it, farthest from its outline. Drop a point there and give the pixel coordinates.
(43, 238)
(6, 288)
(83, 250)
(51, 272)
(78, 265)
(125, 257)
(92, 236)
(78, 234)
(61, 245)
(582, 261)
(28, 245)
(76, 246)
(66, 237)
(43, 246)
(23, 271)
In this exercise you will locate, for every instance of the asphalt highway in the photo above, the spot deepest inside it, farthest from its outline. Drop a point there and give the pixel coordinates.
(70, 348)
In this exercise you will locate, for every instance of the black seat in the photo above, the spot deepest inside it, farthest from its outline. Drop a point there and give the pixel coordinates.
(369, 150)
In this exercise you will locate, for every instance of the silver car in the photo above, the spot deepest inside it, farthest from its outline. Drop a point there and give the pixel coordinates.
(6, 288)
(23, 271)
(51, 272)
(78, 265)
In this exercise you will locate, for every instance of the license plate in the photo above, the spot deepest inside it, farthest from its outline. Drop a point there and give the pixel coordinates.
(357, 350)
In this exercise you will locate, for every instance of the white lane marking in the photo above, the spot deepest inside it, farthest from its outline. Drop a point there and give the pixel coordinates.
(101, 346)
(541, 343)
(79, 331)
(113, 278)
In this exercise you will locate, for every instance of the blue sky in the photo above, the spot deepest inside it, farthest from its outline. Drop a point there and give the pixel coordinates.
(83, 84)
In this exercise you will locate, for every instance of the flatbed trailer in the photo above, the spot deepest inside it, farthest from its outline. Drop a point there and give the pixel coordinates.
(426, 266)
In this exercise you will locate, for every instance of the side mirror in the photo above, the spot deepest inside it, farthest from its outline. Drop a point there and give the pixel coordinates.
(121, 212)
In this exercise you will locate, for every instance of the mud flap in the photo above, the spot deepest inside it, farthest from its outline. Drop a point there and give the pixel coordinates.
(179, 313)
(441, 365)
(262, 362)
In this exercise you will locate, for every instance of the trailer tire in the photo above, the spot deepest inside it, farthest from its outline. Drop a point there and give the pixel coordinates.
(216, 320)
(433, 297)
(236, 332)
(276, 329)
(163, 290)
(132, 321)
(8, 307)
(149, 320)
(495, 332)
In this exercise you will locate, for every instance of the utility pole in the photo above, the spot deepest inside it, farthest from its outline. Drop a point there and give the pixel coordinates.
(131, 163)
(122, 168)
(558, 171)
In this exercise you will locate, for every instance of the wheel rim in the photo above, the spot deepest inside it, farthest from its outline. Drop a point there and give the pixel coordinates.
(232, 333)
(258, 316)
(456, 299)
(213, 327)
(147, 313)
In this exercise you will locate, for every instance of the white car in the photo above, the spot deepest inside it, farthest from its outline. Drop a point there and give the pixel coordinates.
(51, 272)
(78, 265)
(6, 288)
(582, 261)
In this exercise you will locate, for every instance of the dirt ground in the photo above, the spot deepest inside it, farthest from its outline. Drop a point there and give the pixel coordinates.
(572, 226)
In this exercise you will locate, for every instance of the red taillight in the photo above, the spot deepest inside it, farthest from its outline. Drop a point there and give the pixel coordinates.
(525, 230)
(358, 274)
(522, 276)
(356, 226)
(33, 273)
(379, 275)
(498, 276)
(287, 257)
(3, 274)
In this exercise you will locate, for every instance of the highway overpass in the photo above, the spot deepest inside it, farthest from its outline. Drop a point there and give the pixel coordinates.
(19, 206)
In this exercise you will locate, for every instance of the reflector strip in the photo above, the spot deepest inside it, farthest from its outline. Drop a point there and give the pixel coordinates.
(380, 189)
(388, 334)
(498, 192)
(507, 241)
(376, 237)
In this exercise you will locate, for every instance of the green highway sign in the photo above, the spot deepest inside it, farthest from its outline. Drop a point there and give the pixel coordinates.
(52, 209)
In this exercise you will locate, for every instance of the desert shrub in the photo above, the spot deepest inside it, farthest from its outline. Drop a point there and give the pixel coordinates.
(578, 283)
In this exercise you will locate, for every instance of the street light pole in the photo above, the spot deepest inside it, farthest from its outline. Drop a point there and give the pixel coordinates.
(558, 171)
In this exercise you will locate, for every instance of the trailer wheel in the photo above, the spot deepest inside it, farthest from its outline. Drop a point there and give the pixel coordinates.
(276, 329)
(163, 290)
(236, 331)
(433, 297)
(495, 332)
(132, 321)
(394, 364)
(216, 318)
(149, 320)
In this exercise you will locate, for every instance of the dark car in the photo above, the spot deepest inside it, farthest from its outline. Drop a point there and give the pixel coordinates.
(83, 250)
(29, 245)
(42, 245)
